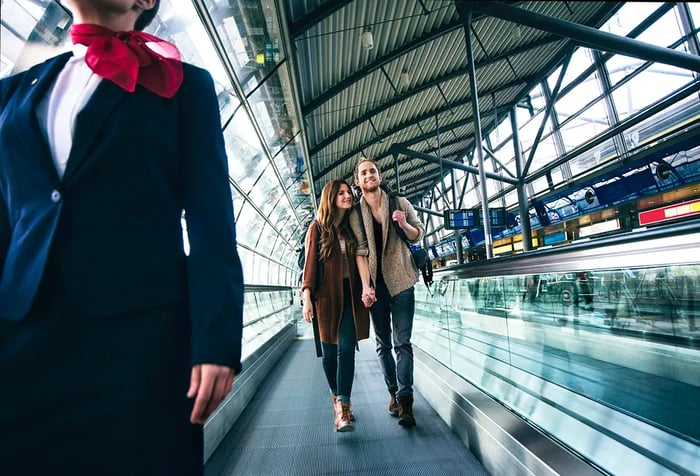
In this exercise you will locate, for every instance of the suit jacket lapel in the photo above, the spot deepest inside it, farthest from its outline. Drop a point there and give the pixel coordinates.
(35, 86)
(88, 124)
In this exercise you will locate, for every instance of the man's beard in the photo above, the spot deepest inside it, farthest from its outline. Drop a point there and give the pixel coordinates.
(370, 187)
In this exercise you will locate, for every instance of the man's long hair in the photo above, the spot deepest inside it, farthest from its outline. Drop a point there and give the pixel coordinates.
(146, 17)
(326, 210)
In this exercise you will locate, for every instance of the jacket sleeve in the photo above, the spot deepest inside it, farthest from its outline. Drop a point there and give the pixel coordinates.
(7, 88)
(412, 218)
(358, 231)
(214, 270)
(310, 268)
(4, 230)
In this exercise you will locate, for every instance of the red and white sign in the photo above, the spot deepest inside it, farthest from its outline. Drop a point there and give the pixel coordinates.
(670, 212)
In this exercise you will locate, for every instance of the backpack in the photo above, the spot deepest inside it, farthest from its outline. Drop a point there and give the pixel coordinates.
(301, 256)
(420, 257)
(301, 251)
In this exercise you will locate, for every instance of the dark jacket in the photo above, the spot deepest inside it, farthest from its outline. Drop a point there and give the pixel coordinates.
(113, 222)
(328, 295)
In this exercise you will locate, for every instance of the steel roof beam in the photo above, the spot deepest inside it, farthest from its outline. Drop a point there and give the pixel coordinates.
(347, 82)
(589, 37)
(399, 149)
(428, 211)
(423, 117)
(356, 76)
(314, 17)
(436, 82)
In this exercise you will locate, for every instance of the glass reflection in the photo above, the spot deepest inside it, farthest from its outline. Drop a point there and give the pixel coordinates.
(251, 36)
(249, 225)
(266, 191)
(245, 153)
(634, 323)
(273, 108)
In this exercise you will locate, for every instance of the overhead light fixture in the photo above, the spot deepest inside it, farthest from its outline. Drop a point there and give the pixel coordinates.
(367, 39)
(404, 79)
(517, 34)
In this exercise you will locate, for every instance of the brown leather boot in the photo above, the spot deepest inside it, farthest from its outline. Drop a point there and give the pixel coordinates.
(393, 404)
(406, 411)
(342, 417)
(335, 398)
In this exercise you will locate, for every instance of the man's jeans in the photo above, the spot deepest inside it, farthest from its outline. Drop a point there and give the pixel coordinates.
(397, 311)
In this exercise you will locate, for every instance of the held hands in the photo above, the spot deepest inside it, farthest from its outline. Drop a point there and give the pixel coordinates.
(368, 297)
(209, 385)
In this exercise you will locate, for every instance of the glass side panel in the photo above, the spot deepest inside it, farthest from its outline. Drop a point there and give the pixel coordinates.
(266, 313)
(245, 153)
(266, 241)
(629, 16)
(580, 60)
(584, 126)
(646, 88)
(249, 225)
(273, 106)
(608, 336)
(251, 37)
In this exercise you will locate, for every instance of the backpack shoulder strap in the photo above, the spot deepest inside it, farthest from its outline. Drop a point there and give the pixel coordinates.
(394, 205)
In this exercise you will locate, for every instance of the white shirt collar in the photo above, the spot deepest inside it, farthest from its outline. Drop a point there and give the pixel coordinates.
(79, 51)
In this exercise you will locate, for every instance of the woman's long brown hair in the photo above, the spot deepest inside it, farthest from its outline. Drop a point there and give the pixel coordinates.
(326, 209)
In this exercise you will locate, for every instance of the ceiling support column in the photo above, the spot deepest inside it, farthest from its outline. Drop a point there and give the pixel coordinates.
(465, 12)
(523, 208)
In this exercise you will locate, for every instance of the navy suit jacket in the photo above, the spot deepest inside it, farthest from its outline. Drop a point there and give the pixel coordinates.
(113, 222)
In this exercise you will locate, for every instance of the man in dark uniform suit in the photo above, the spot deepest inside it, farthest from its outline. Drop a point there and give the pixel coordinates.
(115, 346)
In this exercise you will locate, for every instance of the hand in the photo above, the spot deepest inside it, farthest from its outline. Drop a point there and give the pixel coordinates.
(307, 310)
(209, 385)
(399, 217)
(368, 296)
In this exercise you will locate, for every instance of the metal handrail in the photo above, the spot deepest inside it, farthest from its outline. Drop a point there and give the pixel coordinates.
(664, 245)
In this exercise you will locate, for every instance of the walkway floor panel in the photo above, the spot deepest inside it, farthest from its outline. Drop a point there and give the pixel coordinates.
(287, 429)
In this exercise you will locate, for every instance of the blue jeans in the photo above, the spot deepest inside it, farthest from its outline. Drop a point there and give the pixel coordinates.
(397, 311)
(339, 360)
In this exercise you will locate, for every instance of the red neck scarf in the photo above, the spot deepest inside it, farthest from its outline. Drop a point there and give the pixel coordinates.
(128, 58)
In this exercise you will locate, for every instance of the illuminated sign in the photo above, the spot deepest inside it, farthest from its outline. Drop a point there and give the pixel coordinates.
(596, 228)
(557, 237)
(670, 212)
(472, 218)
(460, 219)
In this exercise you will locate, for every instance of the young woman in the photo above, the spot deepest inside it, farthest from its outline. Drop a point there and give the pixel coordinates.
(334, 283)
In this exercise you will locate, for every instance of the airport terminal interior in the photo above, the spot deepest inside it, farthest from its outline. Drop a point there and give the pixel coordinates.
(552, 150)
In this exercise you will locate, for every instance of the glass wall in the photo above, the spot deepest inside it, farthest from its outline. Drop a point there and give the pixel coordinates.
(585, 354)
(599, 91)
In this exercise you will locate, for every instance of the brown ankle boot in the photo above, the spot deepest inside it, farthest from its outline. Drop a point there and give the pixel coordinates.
(406, 411)
(393, 404)
(335, 398)
(342, 417)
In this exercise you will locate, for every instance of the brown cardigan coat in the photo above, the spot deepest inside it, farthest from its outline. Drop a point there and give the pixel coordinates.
(328, 297)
